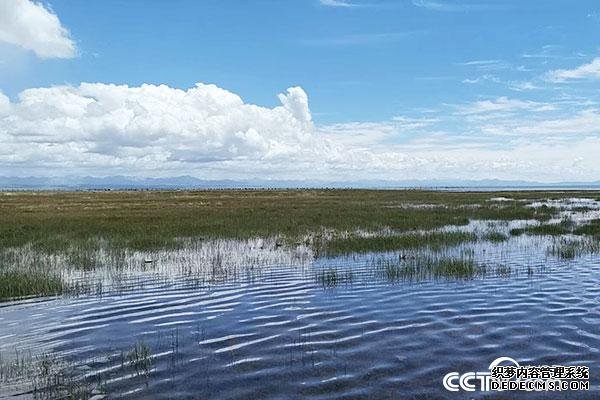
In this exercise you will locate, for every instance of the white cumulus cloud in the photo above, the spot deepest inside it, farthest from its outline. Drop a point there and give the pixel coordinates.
(205, 131)
(34, 27)
(116, 122)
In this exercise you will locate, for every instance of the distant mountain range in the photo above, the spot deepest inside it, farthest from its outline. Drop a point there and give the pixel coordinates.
(189, 182)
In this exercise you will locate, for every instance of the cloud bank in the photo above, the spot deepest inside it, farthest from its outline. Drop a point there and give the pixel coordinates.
(32, 26)
(150, 126)
(156, 131)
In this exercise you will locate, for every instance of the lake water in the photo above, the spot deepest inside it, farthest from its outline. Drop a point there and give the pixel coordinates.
(274, 331)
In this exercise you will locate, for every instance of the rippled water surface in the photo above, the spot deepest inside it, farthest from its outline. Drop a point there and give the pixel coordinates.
(281, 333)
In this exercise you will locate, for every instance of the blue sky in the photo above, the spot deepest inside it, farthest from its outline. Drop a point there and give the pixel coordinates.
(410, 83)
(397, 55)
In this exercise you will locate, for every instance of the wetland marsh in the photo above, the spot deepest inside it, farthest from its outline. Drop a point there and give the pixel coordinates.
(291, 293)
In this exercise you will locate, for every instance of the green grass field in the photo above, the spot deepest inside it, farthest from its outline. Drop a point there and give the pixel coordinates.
(36, 226)
(151, 219)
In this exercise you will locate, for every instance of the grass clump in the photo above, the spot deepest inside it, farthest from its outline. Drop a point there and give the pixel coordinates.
(434, 240)
(461, 267)
(591, 228)
(566, 226)
(558, 229)
(454, 267)
(24, 283)
(495, 237)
